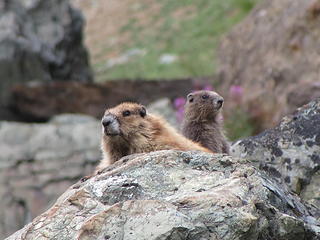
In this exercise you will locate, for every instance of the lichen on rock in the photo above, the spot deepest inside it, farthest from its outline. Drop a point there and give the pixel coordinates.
(290, 152)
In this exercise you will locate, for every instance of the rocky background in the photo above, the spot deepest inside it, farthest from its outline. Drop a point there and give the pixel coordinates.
(40, 41)
(39, 161)
(274, 56)
(268, 66)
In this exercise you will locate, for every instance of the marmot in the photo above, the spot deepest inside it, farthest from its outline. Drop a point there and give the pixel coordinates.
(202, 121)
(128, 129)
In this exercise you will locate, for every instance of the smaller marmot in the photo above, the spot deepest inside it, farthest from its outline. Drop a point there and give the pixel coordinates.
(128, 129)
(202, 121)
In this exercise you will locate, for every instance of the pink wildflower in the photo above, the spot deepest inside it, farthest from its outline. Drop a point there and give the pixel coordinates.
(207, 87)
(179, 106)
(179, 102)
(236, 93)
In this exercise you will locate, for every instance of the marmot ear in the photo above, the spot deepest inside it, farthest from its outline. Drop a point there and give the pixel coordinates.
(190, 97)
(143, 111)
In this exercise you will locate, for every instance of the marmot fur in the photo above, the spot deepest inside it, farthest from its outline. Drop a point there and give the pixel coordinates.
(128, 129)
(202, 121)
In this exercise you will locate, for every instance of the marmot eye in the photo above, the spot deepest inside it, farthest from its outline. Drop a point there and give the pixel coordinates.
(191, 100)
(143, 112)
(126, 113)
(205, 96)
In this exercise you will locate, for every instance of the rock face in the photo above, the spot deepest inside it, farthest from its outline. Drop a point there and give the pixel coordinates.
(274, 55)
(40, 40)
(175, 195)
(290, 152)
(38, 162)
(39, 102)
(164, 108)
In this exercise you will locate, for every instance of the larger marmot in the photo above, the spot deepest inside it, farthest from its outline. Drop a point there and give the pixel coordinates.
(201, 122)
(128, 129)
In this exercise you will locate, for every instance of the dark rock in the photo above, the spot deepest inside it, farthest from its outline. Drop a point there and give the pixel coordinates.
(40, 40)
(41, 101)
(275, 149)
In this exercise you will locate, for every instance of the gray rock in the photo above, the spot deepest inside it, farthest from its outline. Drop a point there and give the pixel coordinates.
(68, 118)
(164, 108)
(290, 152)
(38, 162)
(311, 192)
(40, 40)
(176, 195)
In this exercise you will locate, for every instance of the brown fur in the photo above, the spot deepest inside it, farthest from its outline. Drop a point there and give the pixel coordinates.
(138, 133)
(202, 122)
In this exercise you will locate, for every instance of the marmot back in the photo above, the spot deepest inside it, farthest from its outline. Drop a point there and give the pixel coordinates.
(202, 121)
(128, 129)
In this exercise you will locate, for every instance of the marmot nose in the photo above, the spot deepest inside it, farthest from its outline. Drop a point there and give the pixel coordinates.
(220, 101)
(106, 123)
(107, 120)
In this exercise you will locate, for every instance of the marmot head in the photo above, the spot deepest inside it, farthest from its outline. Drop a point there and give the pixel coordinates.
(204, 105)
(124, 120)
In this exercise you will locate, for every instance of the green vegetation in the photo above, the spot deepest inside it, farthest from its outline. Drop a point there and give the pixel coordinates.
(238, 125)
(187, 29)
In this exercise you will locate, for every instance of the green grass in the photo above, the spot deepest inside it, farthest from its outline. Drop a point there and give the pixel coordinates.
(238, 125)
(193, 37)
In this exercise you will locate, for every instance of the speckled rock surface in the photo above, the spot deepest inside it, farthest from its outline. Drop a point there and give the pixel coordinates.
(290, 152)
(171, 195)
(38, 162)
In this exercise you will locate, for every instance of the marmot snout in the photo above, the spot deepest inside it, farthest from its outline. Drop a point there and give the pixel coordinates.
(110, 125)
(202, 121)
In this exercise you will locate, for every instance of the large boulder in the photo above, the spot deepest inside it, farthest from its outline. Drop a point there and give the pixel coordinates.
(176, 195)
(274, 56)
(290, 152)
(38, 162)
(40, 40)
